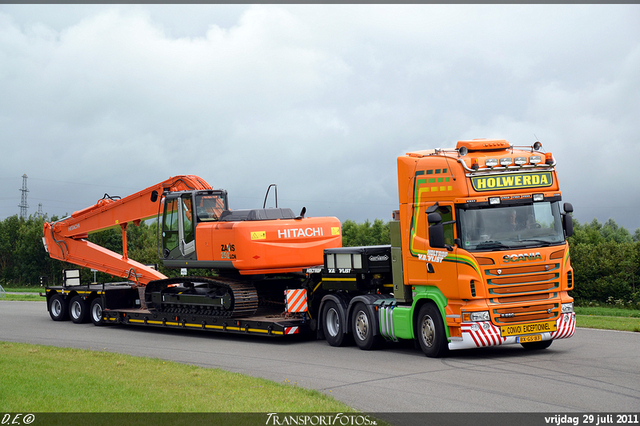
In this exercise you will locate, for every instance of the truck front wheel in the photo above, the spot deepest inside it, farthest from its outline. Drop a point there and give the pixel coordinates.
(430, 331)
(332, 324)
(58, 308)
(362, 325)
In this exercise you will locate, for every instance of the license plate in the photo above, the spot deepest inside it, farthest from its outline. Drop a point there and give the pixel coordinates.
(528, 339)
(531, 328)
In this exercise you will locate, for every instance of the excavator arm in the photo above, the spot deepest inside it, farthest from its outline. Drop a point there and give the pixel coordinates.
(66, 239)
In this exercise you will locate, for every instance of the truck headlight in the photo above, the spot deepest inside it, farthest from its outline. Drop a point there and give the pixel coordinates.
(566, 308)
(476, 316)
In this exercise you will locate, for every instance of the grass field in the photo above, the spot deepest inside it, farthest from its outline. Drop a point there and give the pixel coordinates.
(35, 290)
(47, 379)
(608, 318)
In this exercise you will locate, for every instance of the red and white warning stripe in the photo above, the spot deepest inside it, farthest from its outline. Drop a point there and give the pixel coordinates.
(296, 300)
(484, 334)
(291, 330)
(566, 326)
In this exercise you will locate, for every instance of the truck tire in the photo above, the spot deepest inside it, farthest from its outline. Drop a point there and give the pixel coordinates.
(95, 312)
(332, 326)
(78, 311)
(58, 308)
(430, 331)
(362, 326)
(536, 346)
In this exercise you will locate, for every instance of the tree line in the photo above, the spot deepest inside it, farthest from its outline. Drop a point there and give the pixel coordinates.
(605, 256)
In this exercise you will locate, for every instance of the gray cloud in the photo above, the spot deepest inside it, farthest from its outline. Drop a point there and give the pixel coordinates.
(320, 99)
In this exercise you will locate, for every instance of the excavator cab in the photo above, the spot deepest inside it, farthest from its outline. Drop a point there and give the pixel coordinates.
(182, 212)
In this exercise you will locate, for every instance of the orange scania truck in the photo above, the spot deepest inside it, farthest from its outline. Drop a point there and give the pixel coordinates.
(478, 257)
(482, 237)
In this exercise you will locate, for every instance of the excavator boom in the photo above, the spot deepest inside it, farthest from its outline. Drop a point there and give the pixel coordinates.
(66, 239)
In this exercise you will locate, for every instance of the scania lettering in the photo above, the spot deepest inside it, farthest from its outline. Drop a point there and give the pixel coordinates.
(521, 257)
(478, 257)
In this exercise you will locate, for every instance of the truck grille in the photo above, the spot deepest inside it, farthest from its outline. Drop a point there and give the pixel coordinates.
(533, 288)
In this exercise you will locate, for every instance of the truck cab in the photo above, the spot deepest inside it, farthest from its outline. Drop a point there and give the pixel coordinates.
(483, 234)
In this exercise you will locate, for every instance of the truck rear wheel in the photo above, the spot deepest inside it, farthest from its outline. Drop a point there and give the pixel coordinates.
(58, 308)
(362, 325)
(78, 310)
(430, 331)
(95, 312)
(332, 324)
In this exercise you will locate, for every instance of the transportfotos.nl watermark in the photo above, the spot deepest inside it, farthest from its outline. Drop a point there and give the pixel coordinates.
(339, 419)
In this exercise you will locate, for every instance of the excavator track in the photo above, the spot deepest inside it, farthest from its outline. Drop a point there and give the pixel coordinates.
(215, 297)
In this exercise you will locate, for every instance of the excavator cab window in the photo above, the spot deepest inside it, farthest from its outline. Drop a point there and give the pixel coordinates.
(188, 226)
(170, 227)
(178, 228)
(209, 207)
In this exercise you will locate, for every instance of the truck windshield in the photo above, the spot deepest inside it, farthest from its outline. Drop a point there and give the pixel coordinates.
(511, 226)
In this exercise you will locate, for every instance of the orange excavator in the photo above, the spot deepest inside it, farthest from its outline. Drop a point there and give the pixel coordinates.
(255, 252)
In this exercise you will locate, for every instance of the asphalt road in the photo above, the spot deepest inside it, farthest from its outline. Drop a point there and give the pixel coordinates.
(594, 371)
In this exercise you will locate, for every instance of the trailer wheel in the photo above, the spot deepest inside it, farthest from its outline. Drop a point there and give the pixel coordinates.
(430, 331)
(362, 325)
(332, 324)
(78, 310)
(95, 312)
(535, 346)
(58, 308)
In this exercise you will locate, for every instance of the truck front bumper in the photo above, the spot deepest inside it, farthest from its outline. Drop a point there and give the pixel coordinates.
(484, 333)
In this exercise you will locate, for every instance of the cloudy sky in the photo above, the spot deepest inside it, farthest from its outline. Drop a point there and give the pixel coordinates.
(319, 99)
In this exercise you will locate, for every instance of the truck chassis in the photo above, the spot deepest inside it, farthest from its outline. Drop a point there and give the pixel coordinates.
(120, 303)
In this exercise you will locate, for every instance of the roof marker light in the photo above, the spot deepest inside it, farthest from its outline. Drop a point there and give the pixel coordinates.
(548, 158)
(474, 164)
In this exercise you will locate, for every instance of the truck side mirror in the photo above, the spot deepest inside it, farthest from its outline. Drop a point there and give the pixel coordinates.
(567, 221)
(434, 218)
(436, 230)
